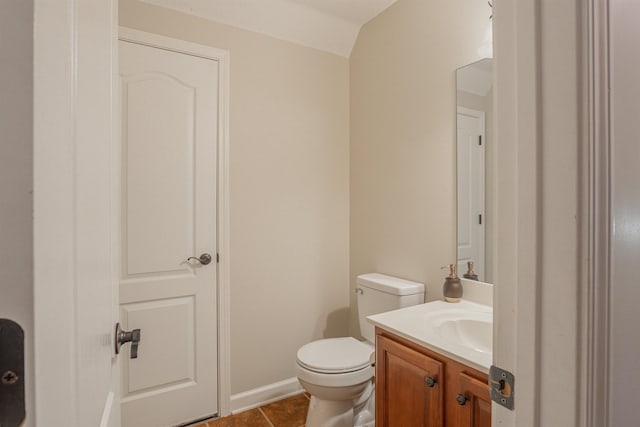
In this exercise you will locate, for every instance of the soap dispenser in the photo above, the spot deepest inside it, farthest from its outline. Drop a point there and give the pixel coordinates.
(452, 289)
(470, 274)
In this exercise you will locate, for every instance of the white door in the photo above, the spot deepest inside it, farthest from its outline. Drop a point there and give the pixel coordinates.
(470, 175)
(169, 142)
(74, 42)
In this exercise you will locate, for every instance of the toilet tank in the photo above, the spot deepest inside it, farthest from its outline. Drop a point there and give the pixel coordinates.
(378, 293)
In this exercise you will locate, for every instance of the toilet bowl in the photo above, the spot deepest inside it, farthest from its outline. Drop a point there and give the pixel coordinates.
(338, 372)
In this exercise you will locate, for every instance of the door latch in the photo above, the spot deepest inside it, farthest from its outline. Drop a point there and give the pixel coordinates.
(12, 405)
(123, 337)
(501, 384)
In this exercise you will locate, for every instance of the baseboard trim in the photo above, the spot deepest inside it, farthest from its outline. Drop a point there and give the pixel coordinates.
(263, 395)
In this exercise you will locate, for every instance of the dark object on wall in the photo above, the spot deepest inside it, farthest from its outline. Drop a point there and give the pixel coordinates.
(12, 405)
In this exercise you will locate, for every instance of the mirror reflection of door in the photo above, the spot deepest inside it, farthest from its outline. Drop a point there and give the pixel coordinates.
(475, 171)
(471, 189)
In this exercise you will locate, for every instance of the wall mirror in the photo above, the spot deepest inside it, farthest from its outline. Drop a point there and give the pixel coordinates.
(475, 169)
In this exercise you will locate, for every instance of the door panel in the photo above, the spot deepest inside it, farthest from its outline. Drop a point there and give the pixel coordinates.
(169, 143)
(160, 171)
(167, 358)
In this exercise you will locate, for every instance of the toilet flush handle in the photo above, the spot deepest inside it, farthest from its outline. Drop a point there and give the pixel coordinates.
(358, 291)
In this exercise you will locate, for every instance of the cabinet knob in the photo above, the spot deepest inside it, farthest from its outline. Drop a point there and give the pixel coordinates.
(430, 381)
(461, 399)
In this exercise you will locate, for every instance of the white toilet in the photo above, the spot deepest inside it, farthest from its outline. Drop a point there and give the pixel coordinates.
(338, 372)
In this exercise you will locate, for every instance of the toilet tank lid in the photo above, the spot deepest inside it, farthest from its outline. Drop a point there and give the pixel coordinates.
(389, 284)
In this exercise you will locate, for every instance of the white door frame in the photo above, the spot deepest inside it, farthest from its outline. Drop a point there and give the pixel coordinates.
(548, 301)
(595, 366)
(223, 214)
(516, 280)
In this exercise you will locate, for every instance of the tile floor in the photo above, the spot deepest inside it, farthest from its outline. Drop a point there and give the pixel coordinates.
(290, 412)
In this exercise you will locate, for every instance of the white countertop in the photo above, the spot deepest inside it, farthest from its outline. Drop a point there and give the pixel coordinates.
(423, 325)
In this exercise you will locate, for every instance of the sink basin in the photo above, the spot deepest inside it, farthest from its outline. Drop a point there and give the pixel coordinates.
(466, 328)
(462, 331)
(475, 334)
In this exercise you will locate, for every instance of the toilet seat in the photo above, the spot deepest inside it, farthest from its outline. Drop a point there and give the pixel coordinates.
(335, 355)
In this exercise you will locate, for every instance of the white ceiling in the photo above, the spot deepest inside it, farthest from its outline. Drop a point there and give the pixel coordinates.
(328, 25)
(358, 12)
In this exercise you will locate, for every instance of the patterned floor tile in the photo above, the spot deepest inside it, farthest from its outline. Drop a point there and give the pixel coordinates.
(291, 412)
(252, 418)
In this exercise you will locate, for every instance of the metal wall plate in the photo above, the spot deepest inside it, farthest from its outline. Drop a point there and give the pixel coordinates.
(12, 405)
(501, 384)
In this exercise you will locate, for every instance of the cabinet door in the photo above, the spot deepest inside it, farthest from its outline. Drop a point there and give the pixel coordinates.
(409, 388)
(473, 402)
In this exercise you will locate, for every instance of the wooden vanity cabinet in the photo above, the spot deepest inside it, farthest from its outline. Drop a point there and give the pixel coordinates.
(416, 387)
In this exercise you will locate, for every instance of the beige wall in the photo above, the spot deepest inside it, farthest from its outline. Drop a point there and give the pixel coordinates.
(289, 191)
(402, 162)
(16, 170)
